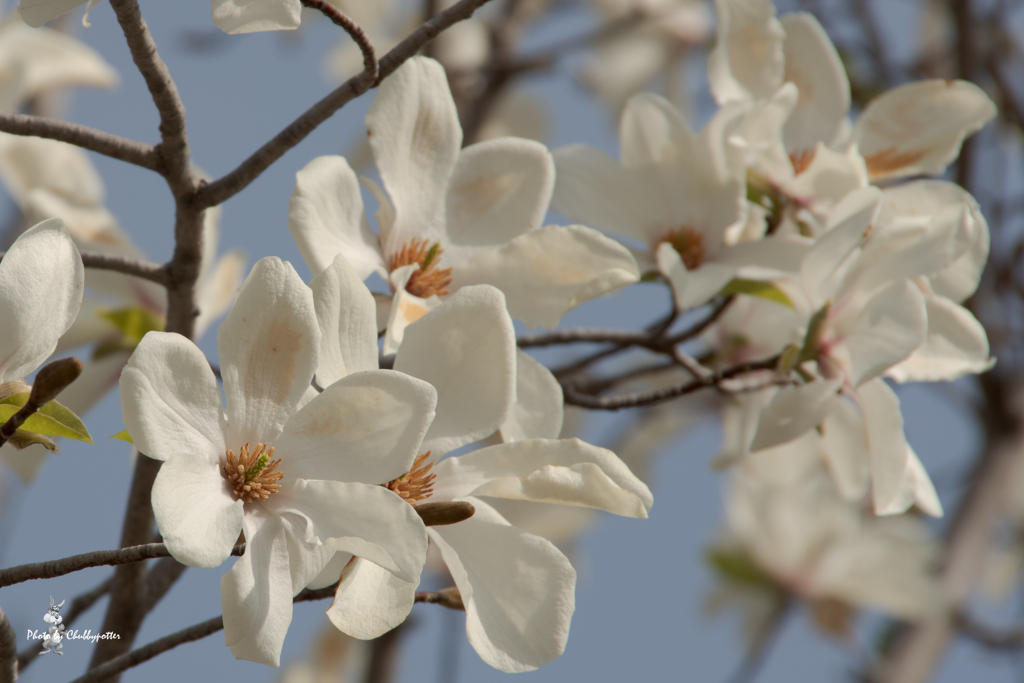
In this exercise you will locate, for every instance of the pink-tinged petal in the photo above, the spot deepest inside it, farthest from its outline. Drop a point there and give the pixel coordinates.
(539, 407)
(249, 16)
(415, 136)
(256, 595)
(405, 309)
(268, 348)
(367, 521)
(956, 345)
(326, 217)
(498, 190)
(845, 449)
(747, 63)
(370, 600)
(196, 511)
(347, 314)
(918, 128)
(563, 471)
(170, 401)
(889, 328)
(466, 349)
(41, 286)
(792, 411)
(814, 66)
(366, 427)
(593, 189)
(518, 589)
(894, 484)
(547, 272)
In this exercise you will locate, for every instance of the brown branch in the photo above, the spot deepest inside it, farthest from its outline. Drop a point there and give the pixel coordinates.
(123, 149)
(586, 336)
(645, 398)
(169, 642)
(78, 605)
(234, 182)
(449, 597)
(352, 28)
(147, 270)
(99, 558)
(1011, 639)
(8, 651)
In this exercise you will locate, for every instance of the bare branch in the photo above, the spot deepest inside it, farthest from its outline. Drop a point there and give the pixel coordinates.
(98, 558)
(173, 149)
(8, 651)
(449, 597)
(234, 182)
(169, 642)
(123, 149)
(759, 650)
(585, 336)
(78, 605)
(353, 29)
(147, 270)
(577, 398)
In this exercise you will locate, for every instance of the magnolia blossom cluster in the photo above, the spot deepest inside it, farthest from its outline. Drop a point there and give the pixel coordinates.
(352, 418)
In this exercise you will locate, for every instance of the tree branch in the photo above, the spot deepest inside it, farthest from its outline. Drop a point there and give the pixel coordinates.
(147, 270)
(99, 558)
(577, 398)
(1011, 639)
(8, 651)
(123, 149)
(234, 182)
(169, 642)
(353, 29)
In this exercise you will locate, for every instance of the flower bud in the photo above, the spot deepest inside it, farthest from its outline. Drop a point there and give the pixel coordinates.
(53, 378)
(446, 512)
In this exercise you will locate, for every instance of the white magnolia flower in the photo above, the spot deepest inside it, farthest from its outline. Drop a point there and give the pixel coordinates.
(452, 217)
(320, 495)
(517, 588)
(676, 192)
(41, 287)
(35, 13)
(785, 518)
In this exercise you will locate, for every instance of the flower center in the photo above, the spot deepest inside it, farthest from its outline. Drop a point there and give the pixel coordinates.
(417, 484)
(429, 279)
(253, 475)
(690, 245)
(801, 159)
(833, 616)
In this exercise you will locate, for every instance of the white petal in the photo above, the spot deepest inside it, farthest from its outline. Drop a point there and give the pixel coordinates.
(366, 427)
(956, 345)
(652, 131)
(26, 462)
(406, 308)
(216, 290)
(814, 66)
(564, 471)
(891, 326)
(331, 572)
(498, 190)
(692, 287)
(256, 595)
(925, 496)
(35, 13)
(30, 163)
(918, 128)
(364, 520)
(466, 349)
(792, 411)
(99, 376)
(347, 314)
(268, 348)
(828, 260)
(747, 62)
(415, 136)
(370, 601)
(170, 401)
(844, 445)
(894, 485)
(593, 189)
(517, 588)
(538, 411)
(247, 16)
(41, 285)
(548, 272)
(326, 217)
(196, 510)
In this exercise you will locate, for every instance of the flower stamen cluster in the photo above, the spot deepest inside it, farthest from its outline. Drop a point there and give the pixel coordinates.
(417, 484)
(690, 245)
(252, 475)
(429, 280)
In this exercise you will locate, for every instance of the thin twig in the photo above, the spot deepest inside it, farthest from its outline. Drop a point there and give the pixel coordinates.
(78, 606)
(352, 28)
(1010, 639)
(98, 558)
(762, 645)
(645, 398)
(220, 190)
(586, 336)
(123, 149)
(169, 642)
(147, 270)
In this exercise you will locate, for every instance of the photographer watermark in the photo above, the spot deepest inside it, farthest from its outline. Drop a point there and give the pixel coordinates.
(55, 635)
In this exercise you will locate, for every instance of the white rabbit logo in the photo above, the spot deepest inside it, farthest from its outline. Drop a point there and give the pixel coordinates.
(52, 641)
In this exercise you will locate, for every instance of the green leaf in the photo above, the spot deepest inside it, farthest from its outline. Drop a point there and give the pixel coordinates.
(52, 419)
(123, 435)
(737, 567)
(134, 322)
(764, 290)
